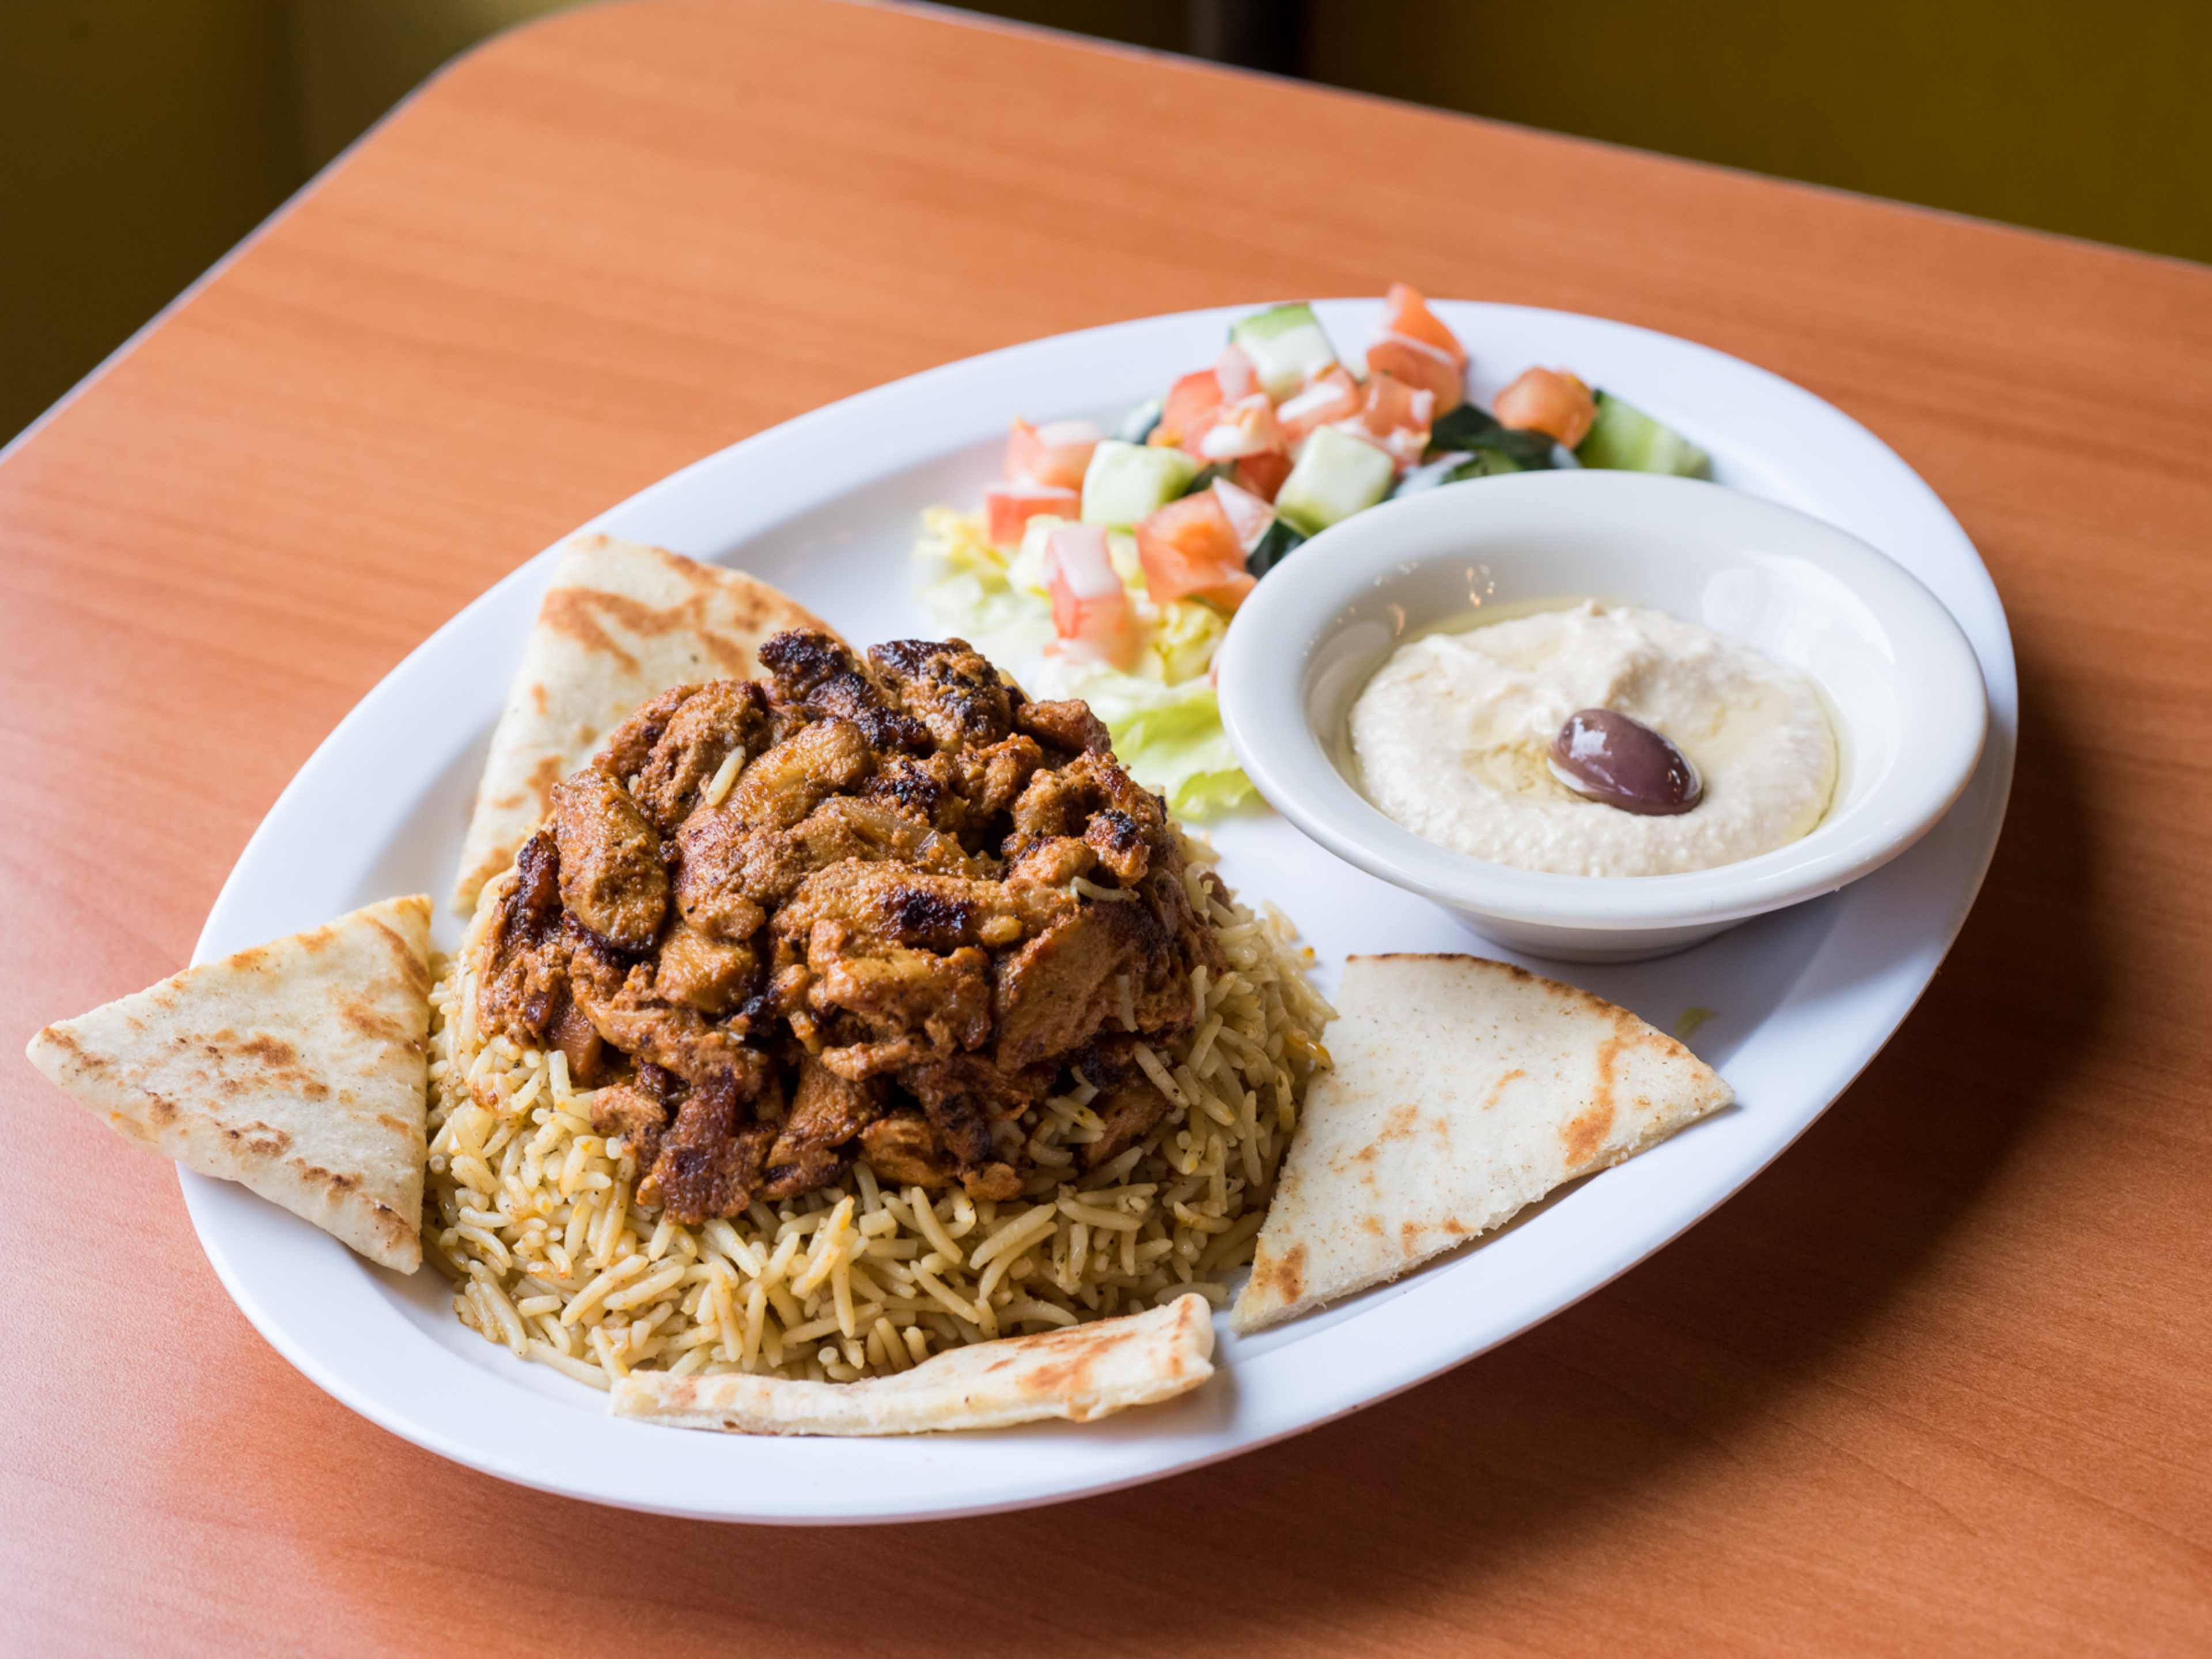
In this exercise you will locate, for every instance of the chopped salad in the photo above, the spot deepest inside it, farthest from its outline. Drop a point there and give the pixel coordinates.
(1106, 566)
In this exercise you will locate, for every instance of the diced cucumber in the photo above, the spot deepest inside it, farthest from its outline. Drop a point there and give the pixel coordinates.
(1128, 481)
(1626, 439)
(1286, 346)
(1137, 425)
(1337, 476)
(1204, 478)
(1277, 543)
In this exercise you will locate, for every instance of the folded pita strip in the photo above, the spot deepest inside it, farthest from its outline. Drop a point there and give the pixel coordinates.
(621, 623)
(1084, 1372)
(1462, 1091)
(296, 1068)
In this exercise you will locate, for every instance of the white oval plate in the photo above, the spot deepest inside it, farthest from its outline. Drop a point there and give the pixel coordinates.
(824, 507)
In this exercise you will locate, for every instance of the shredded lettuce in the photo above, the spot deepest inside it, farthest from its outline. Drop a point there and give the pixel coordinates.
(1163, 713)
(1170, 738)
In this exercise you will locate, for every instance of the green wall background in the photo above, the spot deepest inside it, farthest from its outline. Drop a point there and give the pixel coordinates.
(141, 138)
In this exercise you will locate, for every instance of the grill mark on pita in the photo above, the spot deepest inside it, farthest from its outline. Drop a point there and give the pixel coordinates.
(1584, 1135)
(1085, 1345)
(549, 771)
(753, 605)
(1284, 1275)
(272, 1062)
(1076, 1336)
(569, 611)
(537, 696)
(269, 1050)
(413, 968)
(1586, 1131)
(371, 1024)
(489, 871)
(62, 1038)
(582, 613)
(1402, 1124)
(1068, 1377)
(1498, 1088)
(259, 1138)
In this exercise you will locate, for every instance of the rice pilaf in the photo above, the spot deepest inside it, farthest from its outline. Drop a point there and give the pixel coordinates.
(535, 1217)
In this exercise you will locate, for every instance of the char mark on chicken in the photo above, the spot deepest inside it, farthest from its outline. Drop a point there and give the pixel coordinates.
(817, 677)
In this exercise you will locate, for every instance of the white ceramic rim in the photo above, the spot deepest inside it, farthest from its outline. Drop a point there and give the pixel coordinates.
(1291, 615)
(339, 1321)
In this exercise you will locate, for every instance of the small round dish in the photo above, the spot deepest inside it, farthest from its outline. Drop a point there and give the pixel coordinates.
(1901, 680)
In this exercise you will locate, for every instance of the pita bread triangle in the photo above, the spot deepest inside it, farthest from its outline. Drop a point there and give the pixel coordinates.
(1461, 1091)
(1080, 1373)
(296, 1068)
(621, 623)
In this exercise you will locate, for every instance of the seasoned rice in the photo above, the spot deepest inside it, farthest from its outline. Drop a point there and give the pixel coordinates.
(534, 1216)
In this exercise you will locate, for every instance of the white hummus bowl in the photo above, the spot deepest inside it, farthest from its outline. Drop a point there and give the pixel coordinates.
(1902, 684)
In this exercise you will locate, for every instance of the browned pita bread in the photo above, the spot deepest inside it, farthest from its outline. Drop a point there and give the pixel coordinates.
(296, 1068)
(1084, 1372)
(1462, 1091)
(621, 623)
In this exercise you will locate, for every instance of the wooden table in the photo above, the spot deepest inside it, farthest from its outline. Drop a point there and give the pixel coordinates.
(1937, 1380)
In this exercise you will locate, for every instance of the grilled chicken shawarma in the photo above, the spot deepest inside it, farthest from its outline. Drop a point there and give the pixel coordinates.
(869, 912)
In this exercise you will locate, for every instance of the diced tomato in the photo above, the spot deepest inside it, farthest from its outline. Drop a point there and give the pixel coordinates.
(1263, 475)
(1548, 400)
(1397, 416)
(1331, 396)
(1235, 373)
(1055, 453)
(1408, 314)
(1230, 431)
(1419, 364)
(1190, 550)
(1190, 400)
(1091, 610)
(1248, 514)
(1008, 507)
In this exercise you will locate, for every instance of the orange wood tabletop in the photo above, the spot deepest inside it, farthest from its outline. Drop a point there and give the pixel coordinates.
(1939, 1380)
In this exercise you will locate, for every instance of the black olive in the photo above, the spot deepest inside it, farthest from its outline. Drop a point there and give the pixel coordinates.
(1612, 758)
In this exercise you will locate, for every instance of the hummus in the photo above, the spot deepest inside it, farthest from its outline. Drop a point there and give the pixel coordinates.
(1453, 736)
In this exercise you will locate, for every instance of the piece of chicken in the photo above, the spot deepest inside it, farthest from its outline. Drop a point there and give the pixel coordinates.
(612, 879)
(719, 719)
(827, 1112)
